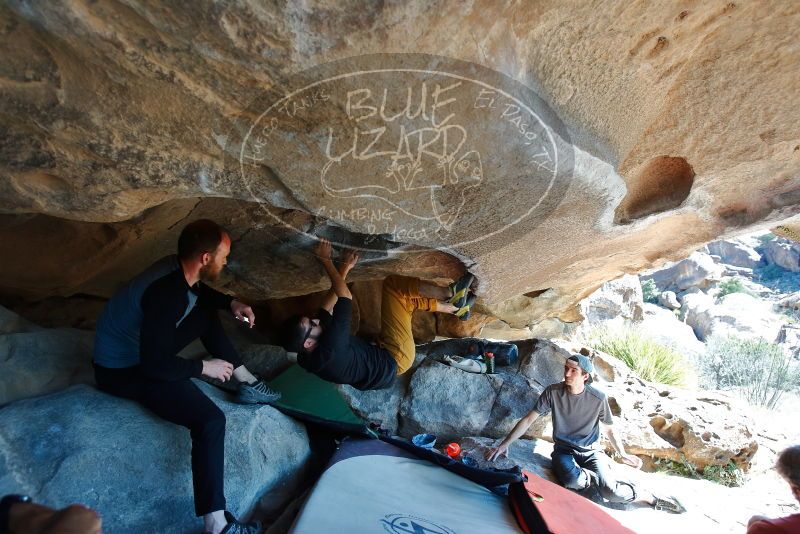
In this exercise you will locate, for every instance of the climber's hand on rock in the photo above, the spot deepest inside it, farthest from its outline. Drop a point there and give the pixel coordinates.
(496, 452)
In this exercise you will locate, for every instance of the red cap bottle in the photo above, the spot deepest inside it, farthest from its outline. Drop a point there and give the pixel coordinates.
(452, 450)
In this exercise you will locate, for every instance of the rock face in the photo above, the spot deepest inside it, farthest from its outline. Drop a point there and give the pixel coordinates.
(783, 253)
(669, 300)
(11, 323)
(112, 455)
(698, 270)
(789, 338)
(133, 107)
(735, 252)
(616, 301)
(431, 403)
(737, 314)
(663, 422)
(44, 361)
(663, 326)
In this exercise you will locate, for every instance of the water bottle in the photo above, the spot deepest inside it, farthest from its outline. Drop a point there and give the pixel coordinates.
(489, 357)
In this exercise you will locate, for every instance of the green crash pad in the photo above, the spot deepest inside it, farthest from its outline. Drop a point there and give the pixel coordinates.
(307, 397)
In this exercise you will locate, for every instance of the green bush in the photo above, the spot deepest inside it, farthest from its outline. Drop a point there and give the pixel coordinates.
(649, 359)
(754, 369)
(732, 285)
(728, 475)
(650, 291)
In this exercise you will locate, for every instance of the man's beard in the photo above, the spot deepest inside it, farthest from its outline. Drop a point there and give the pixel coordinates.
(209, 273)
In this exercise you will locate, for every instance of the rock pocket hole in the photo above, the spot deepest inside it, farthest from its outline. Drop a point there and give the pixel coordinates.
(616, 411)
(672, 433)
(536, 293)
(662, 185)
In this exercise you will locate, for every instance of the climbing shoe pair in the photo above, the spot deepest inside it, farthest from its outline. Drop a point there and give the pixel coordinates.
(668, 504)
(465, 364)
(462, 298)
(256, 393)
(235, 526)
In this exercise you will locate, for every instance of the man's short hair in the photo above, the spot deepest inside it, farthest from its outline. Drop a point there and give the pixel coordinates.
(788, 465)
(198, 237)
(293, 334)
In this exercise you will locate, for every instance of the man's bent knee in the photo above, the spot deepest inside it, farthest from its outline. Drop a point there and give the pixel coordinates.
(212, 422)
(573, 482)
(574, 479)
(393, 282)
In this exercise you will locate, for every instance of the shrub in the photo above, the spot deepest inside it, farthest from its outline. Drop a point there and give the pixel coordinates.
(732, 285)
(649, 359)
(650, 291)
(728, 475)
(756, 370)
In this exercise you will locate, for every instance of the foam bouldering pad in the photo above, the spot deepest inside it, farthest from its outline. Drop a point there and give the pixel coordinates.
(542, 506)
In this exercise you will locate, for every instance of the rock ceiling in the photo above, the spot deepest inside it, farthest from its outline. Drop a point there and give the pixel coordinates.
(546, 146)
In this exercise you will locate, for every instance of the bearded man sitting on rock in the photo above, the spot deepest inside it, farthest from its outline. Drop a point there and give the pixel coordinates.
(141, 330)
(578, 408)
(323, 345)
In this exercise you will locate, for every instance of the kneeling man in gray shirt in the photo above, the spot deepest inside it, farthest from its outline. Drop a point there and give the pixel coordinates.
(578, 408)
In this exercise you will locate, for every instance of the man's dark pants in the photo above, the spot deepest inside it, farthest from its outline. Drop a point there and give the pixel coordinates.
(181, 402)
(576, 470)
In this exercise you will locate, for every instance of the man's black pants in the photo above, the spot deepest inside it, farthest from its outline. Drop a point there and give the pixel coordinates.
(181, 402)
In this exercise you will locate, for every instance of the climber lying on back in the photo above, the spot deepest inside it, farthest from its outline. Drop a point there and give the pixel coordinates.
(324, 346)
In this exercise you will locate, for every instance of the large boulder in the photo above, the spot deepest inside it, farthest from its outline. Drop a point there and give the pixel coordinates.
(44, 361)
(83, 446)
(790, 301)
(698, 270)
(789, 339)
(735, 252)
(704, 428)
(11, 323)
(615, 301)
(451, 403)
(736, 314)
(663, 326)
(783, 253)
(448, 402)
(382, 406)
(669, 300)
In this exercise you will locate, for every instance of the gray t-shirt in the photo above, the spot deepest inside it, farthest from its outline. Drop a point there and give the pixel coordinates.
(575, 417)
